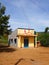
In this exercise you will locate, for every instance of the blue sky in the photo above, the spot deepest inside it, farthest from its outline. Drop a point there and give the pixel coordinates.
(32, 14)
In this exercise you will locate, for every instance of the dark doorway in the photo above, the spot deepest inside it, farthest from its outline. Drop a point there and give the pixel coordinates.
(26, 41)
(15, 41)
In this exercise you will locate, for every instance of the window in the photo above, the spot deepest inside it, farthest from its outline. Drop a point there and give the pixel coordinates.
(35, 32)
(15, 40)
(11, 40)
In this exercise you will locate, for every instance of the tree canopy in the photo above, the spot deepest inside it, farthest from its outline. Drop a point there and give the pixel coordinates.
(43, 37)
(4, 21)
(46, 29)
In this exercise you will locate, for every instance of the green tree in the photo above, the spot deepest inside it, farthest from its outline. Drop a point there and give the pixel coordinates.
(46, 29)
(4, 21)
(43, 37)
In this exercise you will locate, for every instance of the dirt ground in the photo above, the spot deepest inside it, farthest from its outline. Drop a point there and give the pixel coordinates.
(24, 56)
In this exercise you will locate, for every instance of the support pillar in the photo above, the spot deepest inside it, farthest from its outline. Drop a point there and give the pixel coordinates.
(19, 42)
(36, 41)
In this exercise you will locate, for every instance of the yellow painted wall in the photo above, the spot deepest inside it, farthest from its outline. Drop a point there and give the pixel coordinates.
(31, 41)
(21, 42)
(21, 32)
(21, 38)
(36, 41)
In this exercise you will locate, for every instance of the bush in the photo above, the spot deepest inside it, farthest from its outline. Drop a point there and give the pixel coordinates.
(3, 39)
(44, 39)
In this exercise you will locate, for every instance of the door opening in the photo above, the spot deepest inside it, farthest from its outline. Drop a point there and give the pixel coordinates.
(26, 42)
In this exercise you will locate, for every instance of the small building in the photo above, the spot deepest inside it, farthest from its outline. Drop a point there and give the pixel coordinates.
(23, 37)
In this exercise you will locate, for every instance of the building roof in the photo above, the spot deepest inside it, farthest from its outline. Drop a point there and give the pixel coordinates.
(26, 28)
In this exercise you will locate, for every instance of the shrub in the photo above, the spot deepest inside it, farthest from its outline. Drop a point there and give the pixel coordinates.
(44, 39)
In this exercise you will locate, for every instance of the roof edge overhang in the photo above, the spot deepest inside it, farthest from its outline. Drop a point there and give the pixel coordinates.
(26, 28)
(28, 35)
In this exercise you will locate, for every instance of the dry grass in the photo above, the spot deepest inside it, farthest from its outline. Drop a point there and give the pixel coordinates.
(24, 56)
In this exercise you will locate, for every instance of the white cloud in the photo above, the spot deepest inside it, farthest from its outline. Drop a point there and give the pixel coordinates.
(17, 24)
(34, 14)
(34, 24)
(39, 21)
(39, 24)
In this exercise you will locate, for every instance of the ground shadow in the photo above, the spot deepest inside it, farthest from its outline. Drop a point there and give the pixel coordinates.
(19, 60)
(32, 60)
(5, 48)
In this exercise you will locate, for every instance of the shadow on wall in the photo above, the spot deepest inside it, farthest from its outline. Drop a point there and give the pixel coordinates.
(4, 48)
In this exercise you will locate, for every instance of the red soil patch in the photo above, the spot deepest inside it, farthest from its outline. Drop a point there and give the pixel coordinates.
(24, 56)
